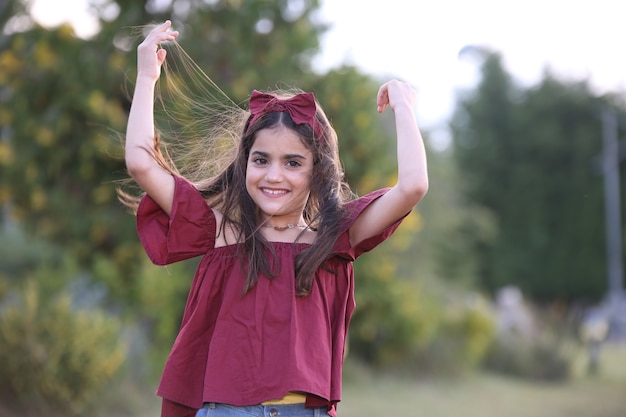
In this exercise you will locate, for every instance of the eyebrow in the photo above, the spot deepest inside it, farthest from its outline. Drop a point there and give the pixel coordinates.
(287, 156)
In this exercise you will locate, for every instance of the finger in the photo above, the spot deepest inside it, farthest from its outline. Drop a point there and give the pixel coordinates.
(162, 32)
(382, 98)
(161, 53)
(153, 41)
(163, 26)
(165, 37)
(381, 92)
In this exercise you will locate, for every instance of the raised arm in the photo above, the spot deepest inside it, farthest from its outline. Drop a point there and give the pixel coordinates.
(139, 150)
(412, 182)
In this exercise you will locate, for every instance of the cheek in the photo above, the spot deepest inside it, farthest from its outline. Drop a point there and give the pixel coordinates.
(309, 177)
(249, 180)
(249, 177)
(305, 183)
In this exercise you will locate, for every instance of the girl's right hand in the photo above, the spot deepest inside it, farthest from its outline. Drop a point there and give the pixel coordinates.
(395, 93)
(150, 57)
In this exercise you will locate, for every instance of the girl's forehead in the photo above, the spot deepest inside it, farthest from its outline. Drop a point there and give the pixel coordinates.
(279, 139)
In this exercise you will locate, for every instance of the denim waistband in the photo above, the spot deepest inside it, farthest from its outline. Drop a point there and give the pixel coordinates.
(270, 410)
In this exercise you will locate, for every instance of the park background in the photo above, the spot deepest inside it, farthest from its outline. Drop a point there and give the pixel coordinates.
(487, 301)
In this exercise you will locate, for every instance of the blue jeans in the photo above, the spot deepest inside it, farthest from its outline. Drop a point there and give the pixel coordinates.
(286, 410)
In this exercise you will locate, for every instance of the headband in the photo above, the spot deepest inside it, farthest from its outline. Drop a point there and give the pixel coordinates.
(300, 107)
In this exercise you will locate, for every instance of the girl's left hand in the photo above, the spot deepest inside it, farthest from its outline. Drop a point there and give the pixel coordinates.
(394, 93)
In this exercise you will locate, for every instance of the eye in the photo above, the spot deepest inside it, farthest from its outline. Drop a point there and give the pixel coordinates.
(259, 161)
(293, 164)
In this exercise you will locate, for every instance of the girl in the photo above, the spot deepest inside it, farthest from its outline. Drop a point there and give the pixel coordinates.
(264, 328)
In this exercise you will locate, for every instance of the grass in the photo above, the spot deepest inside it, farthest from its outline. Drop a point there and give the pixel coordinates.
(487, 395)
(369, 394)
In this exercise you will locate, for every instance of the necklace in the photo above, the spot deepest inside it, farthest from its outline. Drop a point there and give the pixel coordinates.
(286, 227)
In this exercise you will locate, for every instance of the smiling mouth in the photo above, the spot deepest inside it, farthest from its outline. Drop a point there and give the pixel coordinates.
(273, 192)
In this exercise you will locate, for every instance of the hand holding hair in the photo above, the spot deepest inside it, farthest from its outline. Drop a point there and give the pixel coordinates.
(150, 57)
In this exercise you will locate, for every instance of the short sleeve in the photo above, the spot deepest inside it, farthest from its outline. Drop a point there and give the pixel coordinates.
(352, 210)
(187, 232)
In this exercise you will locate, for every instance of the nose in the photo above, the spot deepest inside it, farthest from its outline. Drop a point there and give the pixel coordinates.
(274, 173)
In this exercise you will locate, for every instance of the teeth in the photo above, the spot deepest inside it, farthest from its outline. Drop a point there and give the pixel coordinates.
(273, 192)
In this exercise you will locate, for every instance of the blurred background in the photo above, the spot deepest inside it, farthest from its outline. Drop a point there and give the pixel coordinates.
(503, 292)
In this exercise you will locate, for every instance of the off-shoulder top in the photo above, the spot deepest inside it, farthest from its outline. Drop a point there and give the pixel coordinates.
(243, 349)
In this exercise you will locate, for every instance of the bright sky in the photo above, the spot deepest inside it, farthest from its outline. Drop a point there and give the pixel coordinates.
(419, 41)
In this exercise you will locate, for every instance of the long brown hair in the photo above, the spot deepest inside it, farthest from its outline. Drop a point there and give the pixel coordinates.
(322, 211)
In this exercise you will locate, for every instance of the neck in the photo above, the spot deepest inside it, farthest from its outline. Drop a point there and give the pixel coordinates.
(285, 226)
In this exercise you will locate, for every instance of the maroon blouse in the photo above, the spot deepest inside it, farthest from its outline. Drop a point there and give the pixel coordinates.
(245, 349)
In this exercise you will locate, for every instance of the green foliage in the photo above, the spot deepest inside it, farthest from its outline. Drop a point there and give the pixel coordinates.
(408, 324)
(393, 320)
(20, 255)
(465, 331)
(367, 145)
(55, 354)
(61, 100)
(162, 293)
(240, 44)
(451, 226)
(526, 159)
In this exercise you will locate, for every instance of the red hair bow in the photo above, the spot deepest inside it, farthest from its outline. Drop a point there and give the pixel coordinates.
(300, 107)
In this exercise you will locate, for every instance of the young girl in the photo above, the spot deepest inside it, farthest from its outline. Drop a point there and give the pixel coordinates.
(264, 328)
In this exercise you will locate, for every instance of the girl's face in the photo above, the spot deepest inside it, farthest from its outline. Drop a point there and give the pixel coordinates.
(278, 175)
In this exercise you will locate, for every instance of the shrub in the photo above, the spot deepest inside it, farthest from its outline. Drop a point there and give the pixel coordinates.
(538, 358)
(53, 354)
(463, 337)
(399, 325)
(393, 319)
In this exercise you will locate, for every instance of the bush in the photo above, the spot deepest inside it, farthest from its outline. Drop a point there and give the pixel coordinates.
(53, 354)
(393, 319)
(463, 337)
(538, 358)
(405, 326)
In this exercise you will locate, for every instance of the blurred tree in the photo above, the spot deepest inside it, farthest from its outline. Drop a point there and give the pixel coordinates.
(63, 100)
(240, 44)
(526, 158)
(60, 99)
(367, 146)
